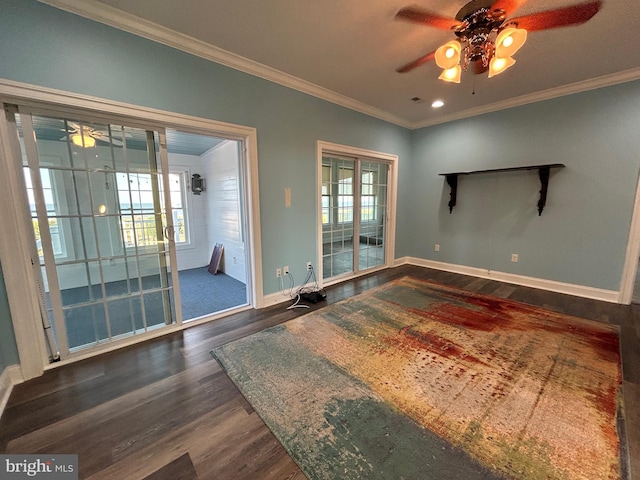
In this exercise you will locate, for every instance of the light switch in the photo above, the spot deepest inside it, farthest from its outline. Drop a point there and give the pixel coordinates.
(287, 197)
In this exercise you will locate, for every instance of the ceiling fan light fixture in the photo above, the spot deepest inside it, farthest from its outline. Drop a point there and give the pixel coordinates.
(486, 38)
(499, 65)
(448, 55)
(509, 41)
(452, 74)
(84, 141)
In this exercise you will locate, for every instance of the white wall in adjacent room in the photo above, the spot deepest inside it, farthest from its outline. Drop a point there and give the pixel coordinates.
(224, 200)
(196, 253)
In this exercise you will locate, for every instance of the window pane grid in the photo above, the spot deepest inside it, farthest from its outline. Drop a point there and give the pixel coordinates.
(135, 196)
(352, 240)
(49, 194)
(95, 197)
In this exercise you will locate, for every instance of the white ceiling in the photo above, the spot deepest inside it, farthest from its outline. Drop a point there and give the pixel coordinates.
(347, 51)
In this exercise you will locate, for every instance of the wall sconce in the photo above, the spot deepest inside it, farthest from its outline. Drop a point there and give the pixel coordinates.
(197, 184)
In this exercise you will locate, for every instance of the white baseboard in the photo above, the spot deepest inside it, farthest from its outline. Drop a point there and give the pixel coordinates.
(541, 283)
(9, 377)
(275, 298)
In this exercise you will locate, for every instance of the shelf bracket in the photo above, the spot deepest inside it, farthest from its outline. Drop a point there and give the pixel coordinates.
(452, 180)
(543, 173)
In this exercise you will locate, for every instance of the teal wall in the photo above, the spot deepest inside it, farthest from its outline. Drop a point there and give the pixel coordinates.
(45, 46)
(582, 235)
(580, 238)
(8, 349)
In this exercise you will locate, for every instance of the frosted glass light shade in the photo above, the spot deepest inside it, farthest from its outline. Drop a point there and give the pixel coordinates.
(448, 55)
(509, 41)
(451, 74)
(499, 65)
(85, 141)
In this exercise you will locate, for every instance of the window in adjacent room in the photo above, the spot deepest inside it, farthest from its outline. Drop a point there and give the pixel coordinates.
(48, 190)
(135, 195)
(326, 195)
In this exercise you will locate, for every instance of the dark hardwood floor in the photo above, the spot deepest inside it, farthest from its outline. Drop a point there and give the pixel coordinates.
(165, 410)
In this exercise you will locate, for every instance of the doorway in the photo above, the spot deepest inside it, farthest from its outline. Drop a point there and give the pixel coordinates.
(207, 192)
(357, 198)
(107, 211)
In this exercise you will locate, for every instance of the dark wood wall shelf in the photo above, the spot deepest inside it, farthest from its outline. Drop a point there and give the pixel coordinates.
(543, 174)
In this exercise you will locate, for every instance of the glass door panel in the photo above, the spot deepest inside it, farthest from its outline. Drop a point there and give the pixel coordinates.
(373, 208)
(353, 208)
(95, 191)
(338, 204)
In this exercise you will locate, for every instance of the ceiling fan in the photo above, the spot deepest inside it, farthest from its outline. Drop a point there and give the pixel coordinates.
(86, 136)
(486, 37)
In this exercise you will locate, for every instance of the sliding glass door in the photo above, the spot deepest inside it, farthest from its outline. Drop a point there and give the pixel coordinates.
(104, 242)
(354, 200)
(373, 191)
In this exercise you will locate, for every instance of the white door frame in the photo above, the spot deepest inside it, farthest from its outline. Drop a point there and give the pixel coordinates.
(630, 268)
(16, 238)
(389, 159)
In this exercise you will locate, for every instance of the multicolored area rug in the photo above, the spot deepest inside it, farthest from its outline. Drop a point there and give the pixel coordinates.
(416, 380)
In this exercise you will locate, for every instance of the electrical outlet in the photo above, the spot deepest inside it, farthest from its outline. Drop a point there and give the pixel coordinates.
(278, 273)
(514, 257)
(308, 265)
(436, 248)
(285, 270)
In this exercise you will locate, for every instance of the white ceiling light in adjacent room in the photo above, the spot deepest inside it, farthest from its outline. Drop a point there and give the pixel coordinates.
(85, 136)
(84, 140)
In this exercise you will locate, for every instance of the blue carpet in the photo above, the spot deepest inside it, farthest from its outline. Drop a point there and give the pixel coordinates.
(202, 293)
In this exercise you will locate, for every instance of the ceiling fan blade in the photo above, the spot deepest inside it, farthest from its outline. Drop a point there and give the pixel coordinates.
(116, 131)
(418, 15)
(106, 139)
(416, 63)
(562, 17)
(70, 128)
(508, 6)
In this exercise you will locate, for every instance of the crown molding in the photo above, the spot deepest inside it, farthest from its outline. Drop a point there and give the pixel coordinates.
(572, 88)
(127, 22)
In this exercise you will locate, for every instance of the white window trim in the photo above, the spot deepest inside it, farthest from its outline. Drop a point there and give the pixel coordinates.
(63, 228)
(185, 174)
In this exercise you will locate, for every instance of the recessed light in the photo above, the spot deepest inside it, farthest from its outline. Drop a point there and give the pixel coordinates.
(437, 104)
